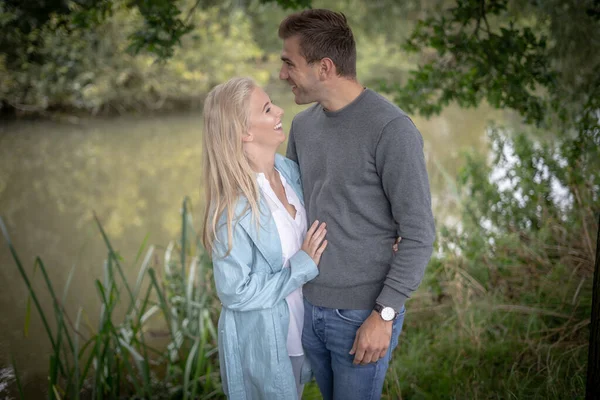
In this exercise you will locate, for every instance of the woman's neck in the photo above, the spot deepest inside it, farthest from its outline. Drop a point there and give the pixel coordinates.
(262, 162)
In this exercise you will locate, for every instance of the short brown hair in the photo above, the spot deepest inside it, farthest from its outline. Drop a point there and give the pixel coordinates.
(323, 33)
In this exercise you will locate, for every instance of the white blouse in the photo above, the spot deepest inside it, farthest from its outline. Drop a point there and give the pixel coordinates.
(291, 233)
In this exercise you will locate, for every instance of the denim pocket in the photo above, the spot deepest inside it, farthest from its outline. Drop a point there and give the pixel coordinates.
(354, 317)
(402, 312)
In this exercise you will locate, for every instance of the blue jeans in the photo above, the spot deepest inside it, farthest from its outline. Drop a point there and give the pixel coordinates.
(327, 338)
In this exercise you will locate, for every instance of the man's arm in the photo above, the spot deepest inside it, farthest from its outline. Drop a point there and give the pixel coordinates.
(400, 162)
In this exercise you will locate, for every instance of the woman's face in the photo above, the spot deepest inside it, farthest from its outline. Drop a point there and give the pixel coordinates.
(265, 121)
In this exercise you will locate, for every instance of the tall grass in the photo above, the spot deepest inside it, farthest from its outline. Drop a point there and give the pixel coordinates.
(113, 360)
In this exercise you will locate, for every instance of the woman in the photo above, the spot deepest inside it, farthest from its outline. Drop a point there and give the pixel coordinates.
(255, 226)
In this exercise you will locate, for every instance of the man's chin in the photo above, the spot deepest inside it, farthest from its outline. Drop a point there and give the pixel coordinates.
(301, 101)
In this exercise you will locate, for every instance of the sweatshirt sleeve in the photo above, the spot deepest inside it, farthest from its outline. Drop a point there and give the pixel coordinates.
(400, 163)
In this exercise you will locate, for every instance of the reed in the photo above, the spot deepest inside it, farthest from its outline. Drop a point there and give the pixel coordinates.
(114, 359)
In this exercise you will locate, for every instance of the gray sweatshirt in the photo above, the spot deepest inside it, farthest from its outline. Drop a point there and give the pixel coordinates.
(363, 172)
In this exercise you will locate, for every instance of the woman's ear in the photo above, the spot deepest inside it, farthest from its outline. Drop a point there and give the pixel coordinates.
(247, 137)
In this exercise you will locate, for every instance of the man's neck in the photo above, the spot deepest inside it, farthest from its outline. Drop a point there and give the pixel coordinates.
(340, 94)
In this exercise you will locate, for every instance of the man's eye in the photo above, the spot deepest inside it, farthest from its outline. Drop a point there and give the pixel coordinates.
(268, 109)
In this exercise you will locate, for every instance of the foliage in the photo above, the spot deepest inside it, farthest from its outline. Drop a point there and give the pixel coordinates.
(88, 68)
(479, 50)
(115, 360)
(162, 29)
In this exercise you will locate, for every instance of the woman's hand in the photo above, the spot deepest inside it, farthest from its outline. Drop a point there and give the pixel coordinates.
(395, 245)
(314, 245)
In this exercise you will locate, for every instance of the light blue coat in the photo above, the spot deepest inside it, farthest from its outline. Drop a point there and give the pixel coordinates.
(252, 286)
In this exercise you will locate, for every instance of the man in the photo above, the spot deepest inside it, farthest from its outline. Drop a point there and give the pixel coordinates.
(363, 172)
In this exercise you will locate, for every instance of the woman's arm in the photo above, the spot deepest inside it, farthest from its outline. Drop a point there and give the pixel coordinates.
(240, 288)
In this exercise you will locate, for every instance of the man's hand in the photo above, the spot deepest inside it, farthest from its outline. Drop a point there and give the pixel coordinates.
(372, 340)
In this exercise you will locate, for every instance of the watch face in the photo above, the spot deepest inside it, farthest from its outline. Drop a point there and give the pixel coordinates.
(388, 313)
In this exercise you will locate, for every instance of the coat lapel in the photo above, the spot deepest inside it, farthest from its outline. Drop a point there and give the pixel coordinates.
(266, 238)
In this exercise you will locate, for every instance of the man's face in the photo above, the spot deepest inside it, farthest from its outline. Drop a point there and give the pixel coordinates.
(302, 77)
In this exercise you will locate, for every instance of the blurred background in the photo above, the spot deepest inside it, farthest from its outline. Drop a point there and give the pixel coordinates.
(100, 106)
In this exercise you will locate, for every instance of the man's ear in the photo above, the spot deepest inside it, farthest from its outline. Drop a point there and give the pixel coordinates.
(327, 68)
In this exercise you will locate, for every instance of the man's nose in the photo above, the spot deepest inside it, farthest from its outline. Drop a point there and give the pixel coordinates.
(283, 75)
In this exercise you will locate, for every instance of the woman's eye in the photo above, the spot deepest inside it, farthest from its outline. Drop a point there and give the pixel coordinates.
(268, 109)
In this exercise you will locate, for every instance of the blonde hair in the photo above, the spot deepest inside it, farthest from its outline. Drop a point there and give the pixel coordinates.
(227, 173)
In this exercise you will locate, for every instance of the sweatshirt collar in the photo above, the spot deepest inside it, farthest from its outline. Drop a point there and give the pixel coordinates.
(350, 107)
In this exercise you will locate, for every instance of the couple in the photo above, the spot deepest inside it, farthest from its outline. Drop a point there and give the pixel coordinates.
(302, 246)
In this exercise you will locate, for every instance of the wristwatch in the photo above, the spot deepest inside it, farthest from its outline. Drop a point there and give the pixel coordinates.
(386, 313)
